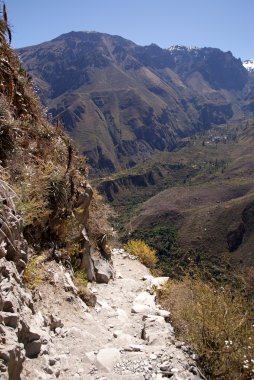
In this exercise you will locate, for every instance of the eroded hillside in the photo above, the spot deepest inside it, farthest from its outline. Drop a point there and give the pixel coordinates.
(122, 102)
(193, 204)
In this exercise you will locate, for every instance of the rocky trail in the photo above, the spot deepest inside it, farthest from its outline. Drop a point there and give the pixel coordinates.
(125, 336)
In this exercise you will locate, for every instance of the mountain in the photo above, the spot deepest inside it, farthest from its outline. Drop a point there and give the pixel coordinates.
(249, 64)
(122, 102)
(194, 205)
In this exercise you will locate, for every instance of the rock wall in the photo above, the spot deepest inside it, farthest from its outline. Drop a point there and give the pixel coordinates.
(25, 332)
(19, 337)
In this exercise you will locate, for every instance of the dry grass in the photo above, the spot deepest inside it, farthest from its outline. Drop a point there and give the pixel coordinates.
(99, 227)
(217, 322)
(145, 254)
(33, 274)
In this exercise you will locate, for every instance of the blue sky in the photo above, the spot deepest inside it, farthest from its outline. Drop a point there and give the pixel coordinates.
(226, 24)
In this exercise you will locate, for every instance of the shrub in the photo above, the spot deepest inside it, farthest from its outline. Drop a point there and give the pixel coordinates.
(83, 292)
(161, 237)
(100, 214)
(218, 325)
(80, 278)
(145, 254)
(33, 274)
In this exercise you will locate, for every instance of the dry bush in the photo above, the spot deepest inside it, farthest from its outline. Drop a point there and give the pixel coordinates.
(33, 273)
(217, 323)
(98, 225)
(84, 293)
(145, 254)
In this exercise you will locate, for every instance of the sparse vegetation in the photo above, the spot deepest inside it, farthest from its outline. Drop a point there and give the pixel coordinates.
(33, 273)
(145, 254)
(80, 279)
(217, 322)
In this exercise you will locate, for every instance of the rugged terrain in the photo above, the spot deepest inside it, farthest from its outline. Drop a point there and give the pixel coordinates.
(122, 102)
(174, 128)
(125, 336)
(193, 204)
(53, 240)
(170, 131)
(48, 211)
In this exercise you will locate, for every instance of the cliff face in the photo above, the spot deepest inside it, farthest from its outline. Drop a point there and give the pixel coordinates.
(48, 211)
(22, 330)
(122, 102)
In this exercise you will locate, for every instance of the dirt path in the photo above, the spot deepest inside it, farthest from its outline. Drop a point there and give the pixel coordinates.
(125, 336)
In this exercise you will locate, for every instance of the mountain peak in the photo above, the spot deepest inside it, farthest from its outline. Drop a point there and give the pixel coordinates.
(249, 64)
(174, 48)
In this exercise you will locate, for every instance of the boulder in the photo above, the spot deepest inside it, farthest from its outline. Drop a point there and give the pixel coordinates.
(158, 282)
(103, 271)
(12, 354)
(54, 322)
(144, 298)
(156, 331)
(107, 358)
(68, 283)
(137, 309)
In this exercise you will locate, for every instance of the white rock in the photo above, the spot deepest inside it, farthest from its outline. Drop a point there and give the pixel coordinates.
(158, 282)
(136, 309)
(154, 318)
(163, 313)
(159, 376)
(146, 299)
(117, 333)
(122, 316)
(103, 304)
(107, 359)
(90, 357)
(68, 283)
(147, 278)
(56, 277)
(134, 348)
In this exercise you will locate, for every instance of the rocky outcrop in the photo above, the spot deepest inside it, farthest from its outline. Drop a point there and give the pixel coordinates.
(243, 230)
(235, 237)
(110, 341)
(21, 328)
(97, 268)
(113, 186)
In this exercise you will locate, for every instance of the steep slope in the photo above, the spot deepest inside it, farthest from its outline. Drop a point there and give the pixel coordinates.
(122, 102)
(47, 212)
(204, 216)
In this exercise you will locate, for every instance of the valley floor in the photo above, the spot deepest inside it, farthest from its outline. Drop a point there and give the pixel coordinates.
(125, 336)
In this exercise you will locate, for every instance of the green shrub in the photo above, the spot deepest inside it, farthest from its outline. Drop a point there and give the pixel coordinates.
(161, 237)
(145, 254)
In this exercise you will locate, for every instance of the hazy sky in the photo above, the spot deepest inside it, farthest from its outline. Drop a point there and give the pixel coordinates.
(226, 24)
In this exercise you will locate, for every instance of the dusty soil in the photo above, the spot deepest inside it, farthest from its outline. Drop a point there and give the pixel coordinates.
(108, 341)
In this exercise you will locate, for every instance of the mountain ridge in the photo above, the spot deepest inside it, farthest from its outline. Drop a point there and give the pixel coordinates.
(122, 102)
